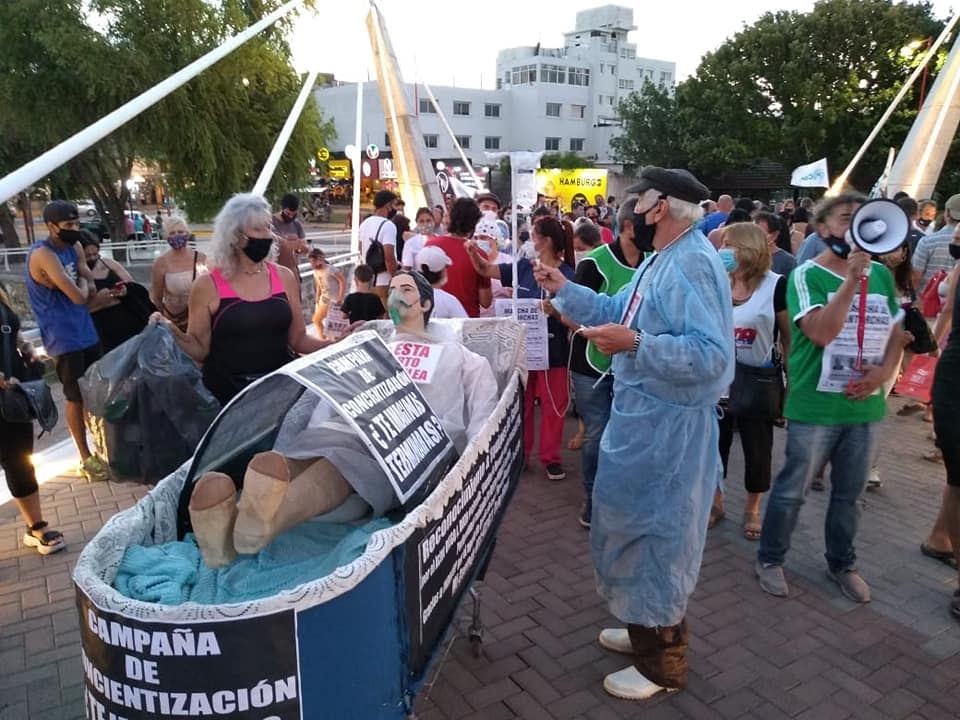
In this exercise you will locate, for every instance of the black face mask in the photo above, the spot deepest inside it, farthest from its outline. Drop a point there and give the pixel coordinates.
(257, 248)
(642, 232)
(840, 247)
(954, 251)
(69, 237)
(92, 263)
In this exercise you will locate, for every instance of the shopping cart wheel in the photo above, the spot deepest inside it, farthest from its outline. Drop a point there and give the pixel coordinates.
(475, 631)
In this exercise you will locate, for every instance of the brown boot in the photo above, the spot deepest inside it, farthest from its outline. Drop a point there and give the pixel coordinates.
(660, 654)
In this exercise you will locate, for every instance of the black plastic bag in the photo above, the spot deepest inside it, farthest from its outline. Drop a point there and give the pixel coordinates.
(147, 407)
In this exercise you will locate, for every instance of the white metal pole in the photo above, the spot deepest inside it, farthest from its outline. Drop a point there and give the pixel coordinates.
(842, 179)
(49, 161)
(446, 125)
(280, 145)
(357, 161)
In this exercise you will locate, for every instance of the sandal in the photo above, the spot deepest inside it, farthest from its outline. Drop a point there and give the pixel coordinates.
(752, 526)
(944, 556)
(47, 542)
(716, 515)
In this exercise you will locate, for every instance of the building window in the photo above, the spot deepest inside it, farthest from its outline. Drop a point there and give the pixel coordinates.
(463, 141)
(628, 53)
(491, 143)
(461, 107)
(576, 144)
(430, 141)
(499, 83)
(506, 78)
(553, 109)
(613, 69)
(578, 112)
(426, 106)
(553, 74)
(551, 144)
(648, 75)
(665, 78)
(626, 84)
(491, 110)
(601, 68)
(578, 76)
(386, 140)
(523, 74)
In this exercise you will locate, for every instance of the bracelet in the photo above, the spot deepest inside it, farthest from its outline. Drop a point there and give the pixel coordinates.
(637, 339)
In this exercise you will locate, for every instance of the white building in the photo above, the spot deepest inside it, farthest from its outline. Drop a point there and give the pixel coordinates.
(553, 99)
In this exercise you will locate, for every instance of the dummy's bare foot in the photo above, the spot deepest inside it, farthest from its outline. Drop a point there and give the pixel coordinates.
(213, 511)
(279, 494)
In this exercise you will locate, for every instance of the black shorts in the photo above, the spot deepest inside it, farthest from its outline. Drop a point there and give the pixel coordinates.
(70, 368)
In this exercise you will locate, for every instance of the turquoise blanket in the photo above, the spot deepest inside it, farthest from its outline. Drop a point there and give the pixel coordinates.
(174, 573)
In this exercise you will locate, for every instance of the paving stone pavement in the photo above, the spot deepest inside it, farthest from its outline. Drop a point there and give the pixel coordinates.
(814, 656)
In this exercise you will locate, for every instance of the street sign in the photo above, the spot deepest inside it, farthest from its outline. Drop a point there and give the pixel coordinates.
(387, 171)
(373, 152)
(323, 154)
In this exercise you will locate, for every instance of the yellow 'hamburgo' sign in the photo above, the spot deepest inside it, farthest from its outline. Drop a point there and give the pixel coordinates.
(569, 186)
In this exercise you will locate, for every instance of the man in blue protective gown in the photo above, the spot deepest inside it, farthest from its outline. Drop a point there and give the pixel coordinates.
(670, 332)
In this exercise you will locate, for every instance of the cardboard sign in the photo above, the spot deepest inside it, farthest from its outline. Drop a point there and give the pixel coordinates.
(420, 360)
(241, 667)
(368, 387)
(444, 556)
(529, 313)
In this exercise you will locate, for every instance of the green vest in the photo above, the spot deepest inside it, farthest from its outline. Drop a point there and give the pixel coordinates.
(615, 276)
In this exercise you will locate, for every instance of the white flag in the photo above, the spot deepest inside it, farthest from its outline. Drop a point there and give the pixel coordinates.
(812, 175)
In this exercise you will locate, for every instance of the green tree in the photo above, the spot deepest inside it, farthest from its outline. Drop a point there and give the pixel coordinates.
(794, 87)
(63, 67)
(565, 161)
(651, 132)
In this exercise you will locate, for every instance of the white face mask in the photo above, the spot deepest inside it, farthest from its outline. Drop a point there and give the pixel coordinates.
(580, 255)
(485, 245)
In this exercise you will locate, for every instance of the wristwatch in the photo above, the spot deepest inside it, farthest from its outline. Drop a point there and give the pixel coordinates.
(637, 339)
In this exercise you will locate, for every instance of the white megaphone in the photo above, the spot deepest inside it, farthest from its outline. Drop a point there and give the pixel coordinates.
(879, 227)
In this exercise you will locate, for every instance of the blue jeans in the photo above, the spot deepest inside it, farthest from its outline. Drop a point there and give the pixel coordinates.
(849, 449)
(593, 404)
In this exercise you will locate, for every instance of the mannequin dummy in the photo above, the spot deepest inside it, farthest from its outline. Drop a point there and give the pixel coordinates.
(291, 484)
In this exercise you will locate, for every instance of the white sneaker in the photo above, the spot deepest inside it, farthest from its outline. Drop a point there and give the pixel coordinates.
(616, 639)
(630, 684)
(873, 480)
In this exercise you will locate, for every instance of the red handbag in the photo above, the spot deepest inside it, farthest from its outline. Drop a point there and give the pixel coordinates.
(930, 302)
(917, 381)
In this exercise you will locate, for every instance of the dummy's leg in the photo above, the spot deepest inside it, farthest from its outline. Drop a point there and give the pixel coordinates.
(213, 511)
(279, 494)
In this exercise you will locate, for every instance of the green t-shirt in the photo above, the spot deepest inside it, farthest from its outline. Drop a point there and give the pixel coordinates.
(819, 376)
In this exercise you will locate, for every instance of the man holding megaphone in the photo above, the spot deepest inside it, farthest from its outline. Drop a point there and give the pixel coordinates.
(846, 344)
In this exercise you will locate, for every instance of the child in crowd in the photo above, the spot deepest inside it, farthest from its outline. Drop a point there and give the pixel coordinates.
(363, 304)
(330, 288)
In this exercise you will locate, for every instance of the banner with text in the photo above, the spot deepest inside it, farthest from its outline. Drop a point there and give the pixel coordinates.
(443, 557)
(529, 313)
(377, 396)
(243, 668)
(569, 186)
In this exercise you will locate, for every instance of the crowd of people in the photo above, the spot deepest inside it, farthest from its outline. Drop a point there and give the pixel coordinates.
(674, 322)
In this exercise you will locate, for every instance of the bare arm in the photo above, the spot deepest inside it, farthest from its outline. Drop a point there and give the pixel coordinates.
(390, 258)
(484, 267)
(119, 269)
(299, 341)
(47, 268)
(157, 273)
(823, 324)
(945, 318)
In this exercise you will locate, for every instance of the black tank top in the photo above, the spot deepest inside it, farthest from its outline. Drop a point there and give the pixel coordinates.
(247, 339)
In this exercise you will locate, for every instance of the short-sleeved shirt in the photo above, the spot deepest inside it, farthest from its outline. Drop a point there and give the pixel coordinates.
(446, 305)
(388, 236)
(362, 306)
(783, 262)
(463, 282)
(558, 346)
(412, 248)
(817, 390)
(933, 255)
(812, 246)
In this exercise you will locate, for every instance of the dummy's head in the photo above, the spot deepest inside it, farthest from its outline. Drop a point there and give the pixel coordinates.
(410, 301)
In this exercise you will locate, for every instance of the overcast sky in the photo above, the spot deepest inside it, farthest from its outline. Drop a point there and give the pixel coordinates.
(446, 42)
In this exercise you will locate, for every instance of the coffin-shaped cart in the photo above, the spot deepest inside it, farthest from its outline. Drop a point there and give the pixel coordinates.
(356, 643)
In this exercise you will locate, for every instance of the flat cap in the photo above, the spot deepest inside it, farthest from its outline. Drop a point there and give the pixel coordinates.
(488, 196)
(676, 183)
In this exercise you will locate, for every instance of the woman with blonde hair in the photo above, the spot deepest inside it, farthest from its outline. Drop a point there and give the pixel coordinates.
(175, 271)
(245, 319)
(759, 317)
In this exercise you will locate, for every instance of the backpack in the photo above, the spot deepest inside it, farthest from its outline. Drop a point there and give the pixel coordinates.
(375, 257)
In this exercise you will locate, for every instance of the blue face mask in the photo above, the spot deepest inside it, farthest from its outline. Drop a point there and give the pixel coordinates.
(729, 258)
